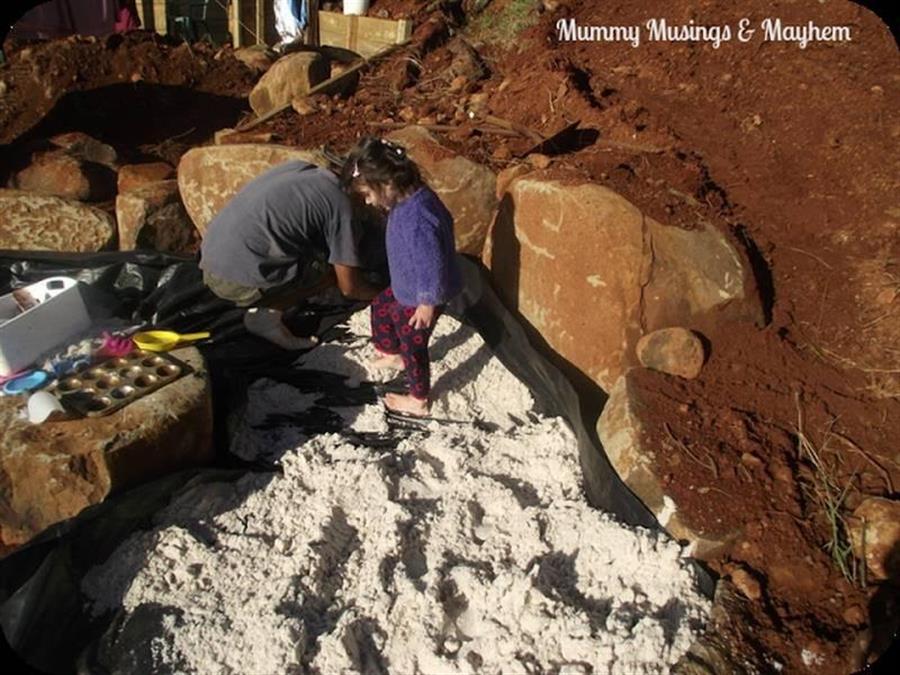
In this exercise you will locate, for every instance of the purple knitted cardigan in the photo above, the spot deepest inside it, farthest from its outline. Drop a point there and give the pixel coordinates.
(421, 251)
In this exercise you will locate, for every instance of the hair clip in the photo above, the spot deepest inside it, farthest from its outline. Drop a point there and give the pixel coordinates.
(398, 150)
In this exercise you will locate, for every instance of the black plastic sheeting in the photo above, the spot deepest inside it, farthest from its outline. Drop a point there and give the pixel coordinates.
(43, 613)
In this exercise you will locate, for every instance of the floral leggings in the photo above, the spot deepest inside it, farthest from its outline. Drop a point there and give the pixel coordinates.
(392, 334)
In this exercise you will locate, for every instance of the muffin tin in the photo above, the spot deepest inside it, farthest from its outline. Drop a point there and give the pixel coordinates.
(105, 387)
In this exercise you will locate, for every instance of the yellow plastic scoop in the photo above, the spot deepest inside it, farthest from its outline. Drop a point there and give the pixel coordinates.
(164, 340)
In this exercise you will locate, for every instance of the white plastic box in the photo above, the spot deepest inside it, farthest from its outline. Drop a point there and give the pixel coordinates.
(58, 316)
(358, 7)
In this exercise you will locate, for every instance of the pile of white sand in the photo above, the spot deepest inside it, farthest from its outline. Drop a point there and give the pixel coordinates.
(460, 551)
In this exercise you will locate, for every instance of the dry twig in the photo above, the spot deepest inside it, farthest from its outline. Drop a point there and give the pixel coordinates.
(709, 464)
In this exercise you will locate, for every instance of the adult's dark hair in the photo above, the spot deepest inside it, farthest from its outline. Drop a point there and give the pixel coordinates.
(379, 163)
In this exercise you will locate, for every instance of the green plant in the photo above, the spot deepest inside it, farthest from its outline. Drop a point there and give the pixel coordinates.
(503, 25)
(826, 491)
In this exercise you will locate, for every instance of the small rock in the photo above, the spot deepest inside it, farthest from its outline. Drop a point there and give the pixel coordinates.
(86, 148)
(782, 473)
(676, 351)
(303, 106)
(477, 102)
(538, 161)
(855, 615)
(461, 134)
(407, 114)
(256, 59)
(231, 137)
(813, 654)
(501, 152)
(877, 89)
(751, 460)
(875, 534)
(886, 296)
(3, 88)
(746, 583)
(458, 83)
(508, 175)
(133, 176)
(750, 123)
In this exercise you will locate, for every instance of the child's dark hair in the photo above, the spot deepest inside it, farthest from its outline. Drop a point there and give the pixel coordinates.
(379, 163)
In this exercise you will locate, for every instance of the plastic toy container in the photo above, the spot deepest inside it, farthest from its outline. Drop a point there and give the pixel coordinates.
(358, 7)
(39, 318)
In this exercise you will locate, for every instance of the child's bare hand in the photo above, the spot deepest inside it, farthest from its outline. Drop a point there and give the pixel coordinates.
(423, 317)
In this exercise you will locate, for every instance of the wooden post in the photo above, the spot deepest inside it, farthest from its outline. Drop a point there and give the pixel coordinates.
(236, 38)
(160, 23)
(260, 22)
(146, 21)
(404, 30)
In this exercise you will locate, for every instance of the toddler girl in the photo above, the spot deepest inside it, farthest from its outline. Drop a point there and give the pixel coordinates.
(421, 258)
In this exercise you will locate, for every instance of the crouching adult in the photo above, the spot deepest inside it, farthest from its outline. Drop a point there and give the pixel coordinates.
(287, 234)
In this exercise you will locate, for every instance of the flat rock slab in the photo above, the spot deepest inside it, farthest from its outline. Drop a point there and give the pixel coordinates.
(41, 222)
(466, 188)
(52, 471)
(209, 177)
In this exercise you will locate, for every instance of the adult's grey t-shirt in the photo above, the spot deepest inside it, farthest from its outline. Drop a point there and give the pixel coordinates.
(278, 224)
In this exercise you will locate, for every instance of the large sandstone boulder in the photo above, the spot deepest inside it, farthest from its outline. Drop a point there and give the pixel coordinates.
(32, 221)
(60, 174)
(133, 176)
(467, 188)
(209, 177)
(289, 77)
(54, 470)
(593, 274)
(621, 429)
(152, 216)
